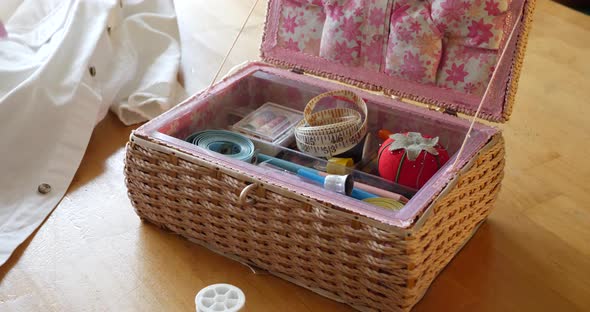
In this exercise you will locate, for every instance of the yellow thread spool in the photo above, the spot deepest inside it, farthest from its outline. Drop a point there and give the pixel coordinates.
(339, 165)
(388, 203)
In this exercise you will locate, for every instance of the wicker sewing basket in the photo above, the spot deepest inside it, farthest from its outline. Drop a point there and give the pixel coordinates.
(357, 258)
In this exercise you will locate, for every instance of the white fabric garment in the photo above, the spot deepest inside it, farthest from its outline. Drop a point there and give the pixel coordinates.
(63, 64)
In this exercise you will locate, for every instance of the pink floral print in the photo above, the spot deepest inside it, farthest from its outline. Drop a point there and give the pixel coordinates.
(399, 11)
(477, 67)
(468, 31)
(480, 32)
(345, 54)
(406, 35)
(374, 52)
(476, 23)
(452, 10)
(448, 43)
(335, 10)
(350, 32)
(290, 24)
(350, 28)
(415, 44)
(292, 45)
(493, 8)
(301, 26)
(456, 74)
(376, 17)
(412, 67)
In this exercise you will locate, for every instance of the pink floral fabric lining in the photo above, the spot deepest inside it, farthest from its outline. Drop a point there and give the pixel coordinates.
(415, 44)
(349, 32)
(447, 43)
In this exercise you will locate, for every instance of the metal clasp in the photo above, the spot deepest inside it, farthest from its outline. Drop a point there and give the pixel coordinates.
(443, 110)
(243, 199)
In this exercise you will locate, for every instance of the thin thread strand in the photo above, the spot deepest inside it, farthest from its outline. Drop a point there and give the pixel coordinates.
(225, 58)
(483, 99)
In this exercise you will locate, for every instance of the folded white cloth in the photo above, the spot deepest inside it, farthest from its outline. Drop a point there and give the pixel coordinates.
(63, 64)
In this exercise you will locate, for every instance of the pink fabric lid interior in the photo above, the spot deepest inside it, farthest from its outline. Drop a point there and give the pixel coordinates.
(440, 52)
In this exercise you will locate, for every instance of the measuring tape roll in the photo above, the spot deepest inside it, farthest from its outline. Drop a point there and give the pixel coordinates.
(332, 131)
(224, 142)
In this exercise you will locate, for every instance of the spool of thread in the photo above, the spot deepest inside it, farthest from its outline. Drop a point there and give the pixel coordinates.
(224, 142)
(339, 165)
(377, 191)
(314, 175)
(388, 203)
(220, 297)
(342, 184)
(384, 134)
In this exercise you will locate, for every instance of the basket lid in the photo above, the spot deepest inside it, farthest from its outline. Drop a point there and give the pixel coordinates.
(440, 52)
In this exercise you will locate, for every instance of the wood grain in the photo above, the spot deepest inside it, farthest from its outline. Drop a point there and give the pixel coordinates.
(93, 253)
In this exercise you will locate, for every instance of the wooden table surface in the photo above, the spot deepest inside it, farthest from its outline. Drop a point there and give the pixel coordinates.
(533, 254)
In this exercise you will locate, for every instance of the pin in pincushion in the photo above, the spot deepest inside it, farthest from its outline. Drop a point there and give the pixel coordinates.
(411, 159)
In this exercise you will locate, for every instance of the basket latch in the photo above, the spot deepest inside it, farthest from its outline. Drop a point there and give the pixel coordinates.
(451, 112)
(443, 110)
(297, 70)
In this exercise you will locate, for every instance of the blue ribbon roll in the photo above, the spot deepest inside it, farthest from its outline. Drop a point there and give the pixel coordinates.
(224, 142)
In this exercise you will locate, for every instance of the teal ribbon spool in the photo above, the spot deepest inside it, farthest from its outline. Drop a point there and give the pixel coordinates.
(224, 142)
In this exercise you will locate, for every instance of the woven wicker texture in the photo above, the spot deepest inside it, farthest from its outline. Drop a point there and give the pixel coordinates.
(519, 58)
(370, 268)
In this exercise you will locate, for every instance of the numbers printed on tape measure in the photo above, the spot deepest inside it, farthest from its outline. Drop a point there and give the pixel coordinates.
(332, 131)
(337, 138)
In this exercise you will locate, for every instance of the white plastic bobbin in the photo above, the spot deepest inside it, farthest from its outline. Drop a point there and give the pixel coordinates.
(220, 298)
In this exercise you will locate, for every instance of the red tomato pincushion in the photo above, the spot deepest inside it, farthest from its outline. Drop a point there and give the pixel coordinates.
(411, 159)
